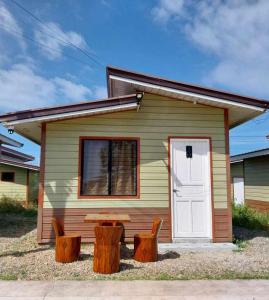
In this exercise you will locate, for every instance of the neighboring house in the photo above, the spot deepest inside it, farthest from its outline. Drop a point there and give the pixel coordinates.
(154, 147)
(18, 179)
(250, 179)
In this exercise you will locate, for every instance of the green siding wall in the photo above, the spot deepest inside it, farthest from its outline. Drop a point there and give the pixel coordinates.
(237, 170)
(17, 189)
(257, 178)
(157, 119)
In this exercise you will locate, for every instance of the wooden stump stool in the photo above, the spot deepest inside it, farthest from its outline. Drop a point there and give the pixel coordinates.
(146, 244)
(107, 249)
(67, 248)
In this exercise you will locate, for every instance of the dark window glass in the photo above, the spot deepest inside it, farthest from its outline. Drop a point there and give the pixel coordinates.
(109, 168)
(8, 176)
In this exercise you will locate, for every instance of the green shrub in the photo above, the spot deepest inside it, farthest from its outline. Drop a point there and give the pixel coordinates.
(11, 206)
(249, 218)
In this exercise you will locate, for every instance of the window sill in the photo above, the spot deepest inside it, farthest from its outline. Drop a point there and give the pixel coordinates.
(80, 197)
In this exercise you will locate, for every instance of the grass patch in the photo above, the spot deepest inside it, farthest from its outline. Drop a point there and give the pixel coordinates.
(11, 206)
(8, 277)
(249, 218)
(241, 244)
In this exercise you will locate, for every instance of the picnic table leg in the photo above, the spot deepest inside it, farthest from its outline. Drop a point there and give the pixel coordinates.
(122, 238)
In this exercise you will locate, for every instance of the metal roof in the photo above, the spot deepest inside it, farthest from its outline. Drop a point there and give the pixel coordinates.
(19, 165)
(9, 141)
(256, 153)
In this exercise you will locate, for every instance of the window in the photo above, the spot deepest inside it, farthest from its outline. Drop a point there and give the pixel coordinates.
(8, 176)
(109, 167)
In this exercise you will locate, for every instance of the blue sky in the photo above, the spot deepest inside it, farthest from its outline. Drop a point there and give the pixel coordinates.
(199, 42)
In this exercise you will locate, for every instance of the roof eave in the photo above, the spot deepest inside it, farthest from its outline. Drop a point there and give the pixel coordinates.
(65, 109)
(19, 165)
(184, 87)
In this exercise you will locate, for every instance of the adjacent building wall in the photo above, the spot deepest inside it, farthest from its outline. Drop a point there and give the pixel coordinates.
(237, 170)
(157, 119)
(16, 190)
(257, 182)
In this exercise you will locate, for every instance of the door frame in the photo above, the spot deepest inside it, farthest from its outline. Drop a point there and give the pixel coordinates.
(210, 181)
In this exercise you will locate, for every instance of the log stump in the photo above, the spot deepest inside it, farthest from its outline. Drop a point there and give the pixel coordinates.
(107, 249)
(146, 244)
(67, 248)
(145, 248)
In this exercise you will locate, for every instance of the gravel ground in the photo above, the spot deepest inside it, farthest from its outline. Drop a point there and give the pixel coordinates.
(22, 258)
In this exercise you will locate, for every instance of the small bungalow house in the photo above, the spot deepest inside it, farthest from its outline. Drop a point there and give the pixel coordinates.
(250, 179)
(18, 179)
(154, 147)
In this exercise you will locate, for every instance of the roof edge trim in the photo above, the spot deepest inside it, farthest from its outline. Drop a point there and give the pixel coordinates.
(75, 114)
(160, 81)
(192, 94)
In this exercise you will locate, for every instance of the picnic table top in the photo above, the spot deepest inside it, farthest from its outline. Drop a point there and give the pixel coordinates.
(97, 218)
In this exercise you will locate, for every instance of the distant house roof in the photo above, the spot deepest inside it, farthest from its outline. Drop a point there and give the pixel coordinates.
(4, 140)
(12, 157)
(256, 153)
(19, 164)
(16, 154)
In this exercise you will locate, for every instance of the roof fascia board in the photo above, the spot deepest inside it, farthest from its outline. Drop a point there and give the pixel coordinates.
(8, 141)
(250, 155)
(10, 163)
(73, 114)
(47, 111)
(14, 153)
(237, 161)
(180, 92)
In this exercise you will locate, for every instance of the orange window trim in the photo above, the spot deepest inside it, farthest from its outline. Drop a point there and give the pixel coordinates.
(109, 197)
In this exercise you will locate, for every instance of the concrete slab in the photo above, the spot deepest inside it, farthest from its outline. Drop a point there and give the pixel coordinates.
(196, 247)
(132, 290)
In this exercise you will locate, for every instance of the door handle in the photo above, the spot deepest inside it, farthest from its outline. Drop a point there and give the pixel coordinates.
(175, 191)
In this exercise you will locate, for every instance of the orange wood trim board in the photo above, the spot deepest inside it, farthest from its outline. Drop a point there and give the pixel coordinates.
(41, 183)
(228, 169)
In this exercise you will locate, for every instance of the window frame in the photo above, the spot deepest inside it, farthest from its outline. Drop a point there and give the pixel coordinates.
(12, 181)
(108, 197)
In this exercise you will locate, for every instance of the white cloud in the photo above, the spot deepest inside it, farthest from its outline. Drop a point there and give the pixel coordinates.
(51, 35)
(71, 90)
(167, 9)
(9, 25)
(236, 33)
(22, 88)
(100, 92)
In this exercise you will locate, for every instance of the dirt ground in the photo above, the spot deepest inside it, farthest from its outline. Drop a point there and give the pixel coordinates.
(23, 259)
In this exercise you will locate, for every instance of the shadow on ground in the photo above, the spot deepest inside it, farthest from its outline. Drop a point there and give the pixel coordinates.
(22, 253)
(127, 254)
(13, 226)
(242, 233)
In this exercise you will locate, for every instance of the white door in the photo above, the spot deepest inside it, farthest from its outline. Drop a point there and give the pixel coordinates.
(191, 188)
(239, 194)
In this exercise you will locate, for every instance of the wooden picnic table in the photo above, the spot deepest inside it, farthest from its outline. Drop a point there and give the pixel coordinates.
(107, 218)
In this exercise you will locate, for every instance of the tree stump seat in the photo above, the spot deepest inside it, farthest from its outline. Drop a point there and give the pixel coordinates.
(107, 249)
(67, 247)
(146, 244)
